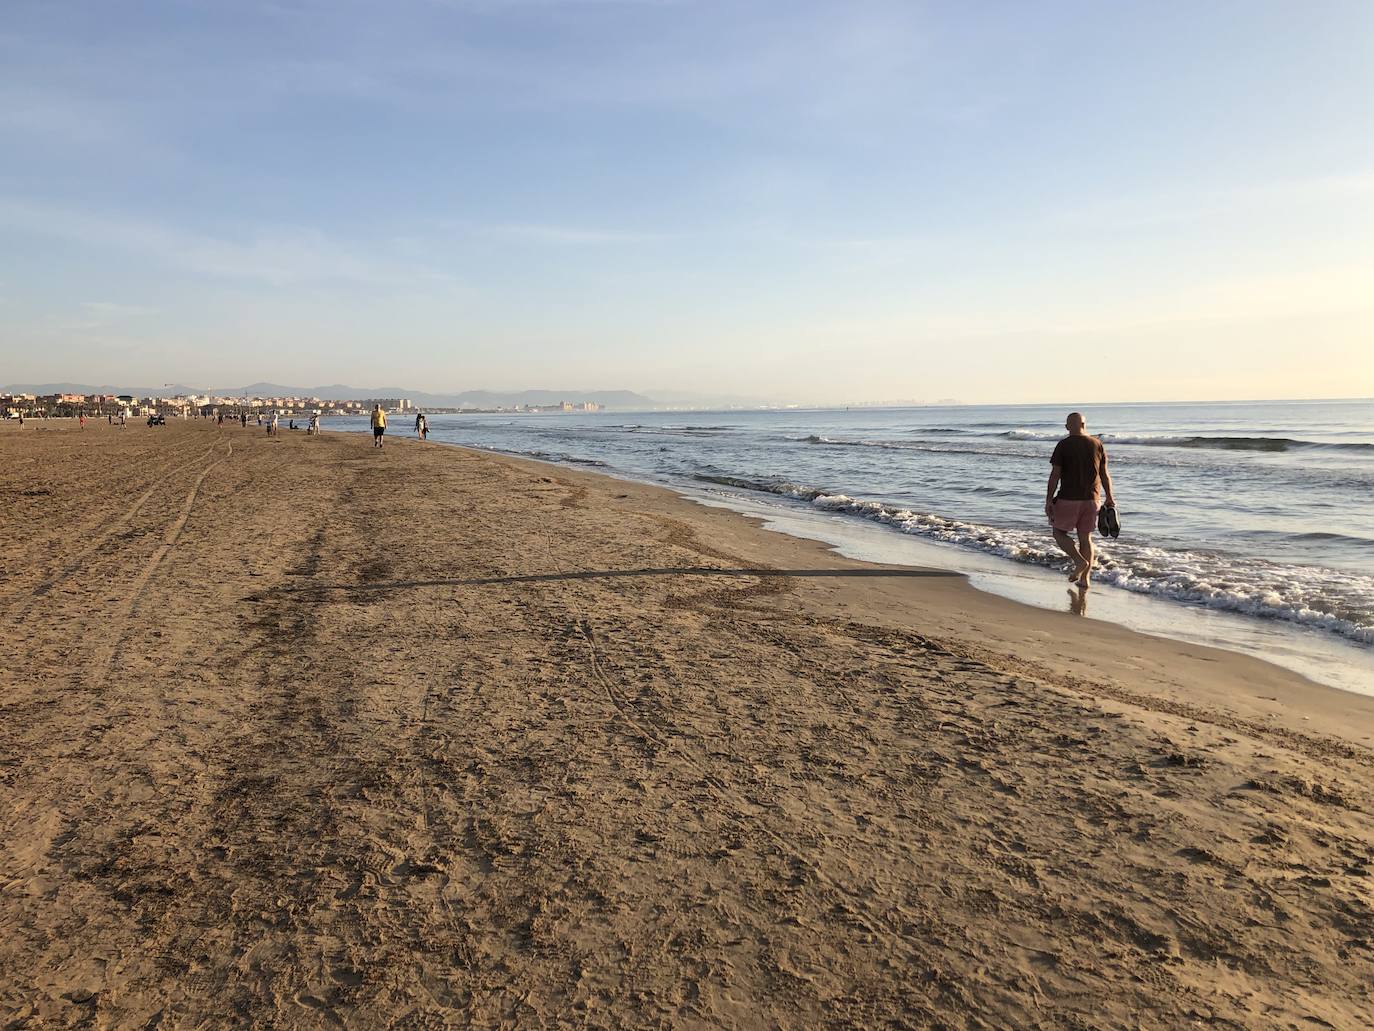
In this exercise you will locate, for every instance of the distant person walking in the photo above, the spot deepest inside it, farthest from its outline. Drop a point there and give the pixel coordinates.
(378, 425)
(1077, 468)
(421, 427)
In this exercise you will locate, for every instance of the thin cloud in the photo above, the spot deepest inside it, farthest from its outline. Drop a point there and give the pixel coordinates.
(516, 5)
(278, 257)
(117, 310)
(570, 235)
(1110, 215)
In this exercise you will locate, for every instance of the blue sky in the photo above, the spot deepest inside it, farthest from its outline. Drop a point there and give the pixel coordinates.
(801, 200)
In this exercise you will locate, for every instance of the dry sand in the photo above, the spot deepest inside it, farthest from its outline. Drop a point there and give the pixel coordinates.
(297, 733)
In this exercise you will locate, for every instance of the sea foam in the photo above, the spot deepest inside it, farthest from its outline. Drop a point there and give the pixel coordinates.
(1337, 602)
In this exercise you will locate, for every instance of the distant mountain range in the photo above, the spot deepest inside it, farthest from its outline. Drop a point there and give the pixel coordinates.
(340, 392)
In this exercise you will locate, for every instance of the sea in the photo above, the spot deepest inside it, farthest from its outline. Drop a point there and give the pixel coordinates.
(1247, 526)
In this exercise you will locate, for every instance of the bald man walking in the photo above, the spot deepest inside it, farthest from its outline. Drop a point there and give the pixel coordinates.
(1077, 468)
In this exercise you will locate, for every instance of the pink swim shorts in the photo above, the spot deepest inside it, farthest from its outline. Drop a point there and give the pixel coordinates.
(1075, 515)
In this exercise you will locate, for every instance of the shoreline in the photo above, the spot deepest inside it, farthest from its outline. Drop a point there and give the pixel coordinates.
(303, 732)
(1326, 659)
(983, 619)
(1317, 658)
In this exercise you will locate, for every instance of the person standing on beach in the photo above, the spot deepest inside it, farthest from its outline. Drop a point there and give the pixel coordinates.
(378, 425)
(1077, 468)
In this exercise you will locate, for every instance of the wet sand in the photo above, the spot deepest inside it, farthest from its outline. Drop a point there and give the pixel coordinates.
(297, 733)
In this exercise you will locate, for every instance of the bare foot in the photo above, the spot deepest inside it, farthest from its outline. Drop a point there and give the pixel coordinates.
(1076, 570)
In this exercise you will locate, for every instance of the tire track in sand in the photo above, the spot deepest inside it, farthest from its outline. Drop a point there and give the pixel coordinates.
(15, 615)
(116, 627)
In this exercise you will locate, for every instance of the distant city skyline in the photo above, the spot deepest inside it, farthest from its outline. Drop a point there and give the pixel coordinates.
(801, 202)
(617, 398)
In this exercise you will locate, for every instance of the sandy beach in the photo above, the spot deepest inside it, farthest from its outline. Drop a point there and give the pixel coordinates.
(298, 733)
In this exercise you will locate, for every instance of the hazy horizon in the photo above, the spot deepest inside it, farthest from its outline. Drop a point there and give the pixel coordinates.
(801, 203)
(675, 398)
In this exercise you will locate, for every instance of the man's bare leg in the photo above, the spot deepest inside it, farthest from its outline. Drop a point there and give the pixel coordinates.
(1085, 551)
(1067, 546)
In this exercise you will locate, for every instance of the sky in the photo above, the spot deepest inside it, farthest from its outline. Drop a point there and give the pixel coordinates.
(818, 202)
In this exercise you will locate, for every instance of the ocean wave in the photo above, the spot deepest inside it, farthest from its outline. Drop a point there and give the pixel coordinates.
(1324, 536)
(970, 426)
(1223, 443)
(1341, 538)
(772, 486)
(1326, 599)
(929, 447)
(672, 431)
(1302, 475)
(972, 446)
(552, 456)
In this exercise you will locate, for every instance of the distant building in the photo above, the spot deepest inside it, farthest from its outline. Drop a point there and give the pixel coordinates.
(15, 404)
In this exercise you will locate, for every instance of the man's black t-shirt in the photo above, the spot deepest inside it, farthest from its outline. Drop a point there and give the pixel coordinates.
(1081, 460)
